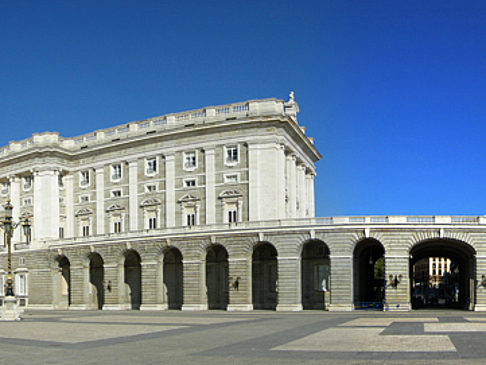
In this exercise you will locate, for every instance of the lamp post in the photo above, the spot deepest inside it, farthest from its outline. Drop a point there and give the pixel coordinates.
(10, 311)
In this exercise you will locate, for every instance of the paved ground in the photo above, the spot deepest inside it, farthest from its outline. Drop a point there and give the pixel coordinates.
(213, 337)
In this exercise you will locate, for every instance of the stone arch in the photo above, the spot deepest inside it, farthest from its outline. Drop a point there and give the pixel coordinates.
(173, 277)
(96, 280)
(62, 281)
(217, 282)
(454, 285)
(315, 272)
(368, 274)
(264, 275)
(133, 278)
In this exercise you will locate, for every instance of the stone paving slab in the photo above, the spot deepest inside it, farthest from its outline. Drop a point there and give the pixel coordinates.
(380, 322)
(369, 340)
(455, 327)
(156, 319)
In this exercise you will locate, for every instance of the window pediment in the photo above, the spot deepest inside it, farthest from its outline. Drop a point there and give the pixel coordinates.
(83, 211)
(188, 198)
(114, 207)
(150, 202)
(230, 194)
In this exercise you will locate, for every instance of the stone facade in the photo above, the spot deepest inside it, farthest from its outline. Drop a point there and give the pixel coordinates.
(209, 209)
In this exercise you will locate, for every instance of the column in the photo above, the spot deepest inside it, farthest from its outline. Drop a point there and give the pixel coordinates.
(210, 180)
(152, 298)
(68, 186)
(100, 200)
(253, 183)
(481, 279)
(15, 201)
(341, 283)
(301, 196)
(289, 284)
(46, 205)
(291, 186)
(169, 191)
(133, 194)
(397, 297)
(195, 297)
(240, 284)
(281, 182)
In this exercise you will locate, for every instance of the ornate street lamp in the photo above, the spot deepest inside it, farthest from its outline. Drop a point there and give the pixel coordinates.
(10, 310)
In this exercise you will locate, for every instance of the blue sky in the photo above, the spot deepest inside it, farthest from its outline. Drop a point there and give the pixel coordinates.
(393, 91)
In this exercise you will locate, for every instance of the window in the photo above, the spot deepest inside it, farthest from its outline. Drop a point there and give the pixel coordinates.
(150, 188)
(116, 172)
(190, 160)
(191, 219)
(85, 230)
(116, 193)
(152, 223)
(27, 201)
(231, 179)
(60, 180)
(61, 232)
(84, 178)
(189, 183)
(231, 155)
(21, 284)
(27, 182)
(117, 227)
(151, 166)
(84, 198)
(232, 216)
(4, 188)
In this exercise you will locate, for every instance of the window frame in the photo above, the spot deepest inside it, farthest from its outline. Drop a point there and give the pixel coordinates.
(115, 175)
(231, 162)
(185, 167)
(147, 164)
(84, 183)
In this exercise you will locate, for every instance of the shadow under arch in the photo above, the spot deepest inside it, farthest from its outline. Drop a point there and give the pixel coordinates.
(315, 270)
(217, 283)
(133, 278)
(173, 278)
(457, 288)
(96, 279)
(264, 275)
(64, 267)
(368, 274)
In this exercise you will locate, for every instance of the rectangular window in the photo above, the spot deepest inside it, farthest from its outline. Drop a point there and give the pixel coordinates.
(190, 160)
(231, 179)
(189, 183)
(191, 219)
(27, 201)
(150, 188)
(152, 223)
(151, 166)
(232, 216)
(61, 232)
(60, 181)
(116, 193)
(117, 227)
(84, 178)
(21, 284)
(85, 231)
(116, 172)
(5, 188)
(27, 182)
(232, 154)
(84, 199)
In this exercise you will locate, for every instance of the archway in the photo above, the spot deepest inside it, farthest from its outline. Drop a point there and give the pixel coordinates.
(314, 274)
(64, 273)
(217, 277)
(96, 278)
(369, 274)
(264, 276)
(133, 278)
(442, 274)
(172, 277)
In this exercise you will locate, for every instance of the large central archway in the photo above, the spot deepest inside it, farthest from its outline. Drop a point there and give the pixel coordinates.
(264, 276)
(315, 271)
(96, 279)
(173, 278)
(456, 287)
(133, 278)
(217, 277)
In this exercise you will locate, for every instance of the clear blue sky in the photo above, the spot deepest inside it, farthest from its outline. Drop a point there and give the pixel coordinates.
(393, 91)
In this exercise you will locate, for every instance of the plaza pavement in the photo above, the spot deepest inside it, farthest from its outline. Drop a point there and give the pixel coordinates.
(260, 337)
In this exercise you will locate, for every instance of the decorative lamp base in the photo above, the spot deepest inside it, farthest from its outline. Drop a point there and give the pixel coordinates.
(10, 309)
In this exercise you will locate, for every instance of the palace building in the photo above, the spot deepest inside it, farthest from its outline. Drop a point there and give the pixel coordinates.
(211, 209)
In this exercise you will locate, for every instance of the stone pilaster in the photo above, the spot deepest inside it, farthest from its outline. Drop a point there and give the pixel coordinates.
(195, 297)
(68, 186)
(291, 186)
(100, 200)
(210, 181)
(15, 200)
(397, 297)
(169, 191)
(289, 284)
(79, 285)
(481, 287)
(152, 298)
(133, 194)
(46, 205)
(341, 283)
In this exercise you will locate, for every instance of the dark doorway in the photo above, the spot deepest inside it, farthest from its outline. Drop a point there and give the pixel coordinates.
(96, 277)
(173, 279)
(369, 274)
(315, 274)
(65, 281)
(133, 278)
(264, 276)
(217, 277)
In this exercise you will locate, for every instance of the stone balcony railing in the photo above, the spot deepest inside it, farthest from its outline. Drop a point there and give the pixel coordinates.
(210, 114)
(269, 225)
